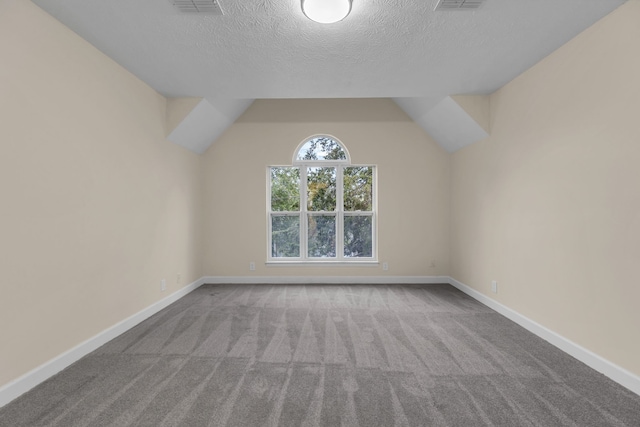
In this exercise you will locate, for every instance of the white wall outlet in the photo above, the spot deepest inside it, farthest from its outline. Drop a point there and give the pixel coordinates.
(252, 266)
(385, 266)
(178, 278)
(163, 285)
(494, 286)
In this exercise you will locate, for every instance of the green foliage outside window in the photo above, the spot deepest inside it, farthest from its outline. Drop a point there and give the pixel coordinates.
(321, 189)
(358, 236)
(322, 236)
(285, 189)
(285, 236)
(285, 197)
(358, 188)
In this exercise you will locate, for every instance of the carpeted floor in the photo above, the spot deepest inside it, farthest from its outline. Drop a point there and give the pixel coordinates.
(294, 355)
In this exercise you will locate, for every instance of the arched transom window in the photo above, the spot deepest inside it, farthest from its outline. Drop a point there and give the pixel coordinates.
(322, 207)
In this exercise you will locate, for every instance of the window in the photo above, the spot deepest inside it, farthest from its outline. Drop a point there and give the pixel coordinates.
(322, 208)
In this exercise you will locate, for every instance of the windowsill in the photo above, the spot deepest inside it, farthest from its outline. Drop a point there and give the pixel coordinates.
(328, 263)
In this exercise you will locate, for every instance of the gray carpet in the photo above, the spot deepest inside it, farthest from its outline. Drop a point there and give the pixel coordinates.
(293, 355)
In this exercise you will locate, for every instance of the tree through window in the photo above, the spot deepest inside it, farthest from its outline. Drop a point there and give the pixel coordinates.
(322, 207)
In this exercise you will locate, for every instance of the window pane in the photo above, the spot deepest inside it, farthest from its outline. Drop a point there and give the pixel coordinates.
(322, 236)
(357, 236)
(321, 189)
(358, 188)
(321, 148)
(285, 189)
(285, 236)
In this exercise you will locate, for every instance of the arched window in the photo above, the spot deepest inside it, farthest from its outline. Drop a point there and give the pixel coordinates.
(320, 148)
(321, 208)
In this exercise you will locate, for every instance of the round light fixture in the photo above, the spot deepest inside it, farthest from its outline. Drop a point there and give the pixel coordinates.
(326, 11)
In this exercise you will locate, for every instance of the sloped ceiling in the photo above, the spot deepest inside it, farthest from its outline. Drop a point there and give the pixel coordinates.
(400, 49)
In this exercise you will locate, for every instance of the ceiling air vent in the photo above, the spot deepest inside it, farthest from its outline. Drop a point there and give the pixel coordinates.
(197, 6)
(458, 4)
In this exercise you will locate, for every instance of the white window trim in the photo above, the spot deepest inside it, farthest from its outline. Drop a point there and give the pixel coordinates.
(339, 213)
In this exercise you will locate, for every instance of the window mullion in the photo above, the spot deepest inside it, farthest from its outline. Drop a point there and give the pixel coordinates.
(339, 212)
(269, 216)
(304, 225)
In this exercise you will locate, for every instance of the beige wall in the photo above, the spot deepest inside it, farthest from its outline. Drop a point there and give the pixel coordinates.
(413, 185)
(97, 207)
(549, 205)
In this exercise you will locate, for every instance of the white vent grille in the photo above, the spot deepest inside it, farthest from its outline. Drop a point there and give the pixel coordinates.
(458, 4)
(197, 6)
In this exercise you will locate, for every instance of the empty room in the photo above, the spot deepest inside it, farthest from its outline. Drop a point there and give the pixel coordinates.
(320, 213)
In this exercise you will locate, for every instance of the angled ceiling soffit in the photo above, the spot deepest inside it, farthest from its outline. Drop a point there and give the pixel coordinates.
(178, 109)
(476, 106)
(453, 122)
(196, 123)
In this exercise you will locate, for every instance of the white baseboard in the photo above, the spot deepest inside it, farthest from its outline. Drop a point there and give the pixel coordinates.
(26, 382)
(330, 280)
(611, 370)
(17, 387)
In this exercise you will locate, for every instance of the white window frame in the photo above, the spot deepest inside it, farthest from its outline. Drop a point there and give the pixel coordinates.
(303, 214)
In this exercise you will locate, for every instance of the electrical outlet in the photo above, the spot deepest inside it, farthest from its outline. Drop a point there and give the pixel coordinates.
(494, 286)
(385, 266)
(252, 266)
(178, 278)
(163, 285)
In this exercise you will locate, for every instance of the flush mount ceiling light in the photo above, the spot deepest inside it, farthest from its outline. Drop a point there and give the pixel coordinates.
(326, 11)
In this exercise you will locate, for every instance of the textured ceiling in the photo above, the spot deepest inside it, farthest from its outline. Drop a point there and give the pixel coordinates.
(384, 48)
(269, 49)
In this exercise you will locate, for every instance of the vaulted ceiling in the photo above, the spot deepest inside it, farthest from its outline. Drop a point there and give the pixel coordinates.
(400, 49)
